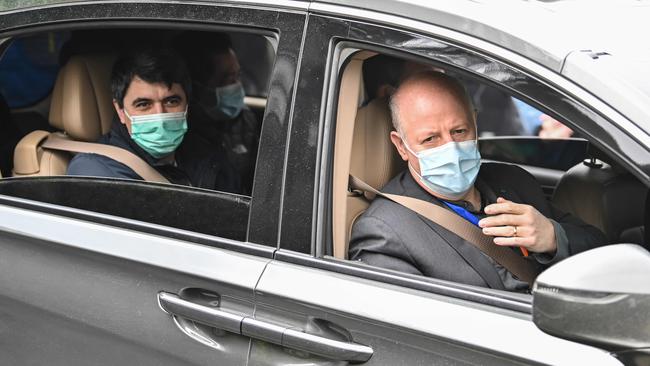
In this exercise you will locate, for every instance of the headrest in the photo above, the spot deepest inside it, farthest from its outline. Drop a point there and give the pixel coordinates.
(81, 100)
(602, 196)
(374, 159)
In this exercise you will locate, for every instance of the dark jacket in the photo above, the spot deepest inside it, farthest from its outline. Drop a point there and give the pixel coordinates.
(392, 236)
(196, 163)
(238, 137)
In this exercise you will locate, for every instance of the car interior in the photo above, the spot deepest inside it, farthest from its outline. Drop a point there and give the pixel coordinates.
(576, 176)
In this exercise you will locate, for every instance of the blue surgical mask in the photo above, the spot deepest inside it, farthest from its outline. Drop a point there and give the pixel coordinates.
(158, 134)
(451, 169)
(229, 101)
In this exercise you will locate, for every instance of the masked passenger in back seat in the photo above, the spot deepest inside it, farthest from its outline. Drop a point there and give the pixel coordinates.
(218, 113)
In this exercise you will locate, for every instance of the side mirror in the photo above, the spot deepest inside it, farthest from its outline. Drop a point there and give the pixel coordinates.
(600, 297)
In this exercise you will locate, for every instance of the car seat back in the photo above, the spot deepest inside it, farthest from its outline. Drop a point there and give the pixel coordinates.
(81, 109)
(606, 197)
(363, 149)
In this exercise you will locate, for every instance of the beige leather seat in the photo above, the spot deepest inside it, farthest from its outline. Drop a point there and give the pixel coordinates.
(363, 149)
(606, 197)
(81, 108)
(374, 158)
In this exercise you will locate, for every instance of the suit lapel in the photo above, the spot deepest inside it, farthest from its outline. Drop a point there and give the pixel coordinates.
(472, 255)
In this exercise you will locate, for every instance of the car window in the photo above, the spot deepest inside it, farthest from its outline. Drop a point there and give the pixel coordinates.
(212, 164)
(561, 166)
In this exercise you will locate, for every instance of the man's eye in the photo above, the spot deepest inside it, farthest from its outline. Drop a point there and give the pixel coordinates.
(460, 131)
(173, 102)
(141, 105)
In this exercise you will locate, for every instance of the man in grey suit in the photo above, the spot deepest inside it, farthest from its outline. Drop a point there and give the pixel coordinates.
(435, 132)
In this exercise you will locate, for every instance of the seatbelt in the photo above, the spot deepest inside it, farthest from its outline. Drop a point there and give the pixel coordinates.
(514, 263)
(139, 166)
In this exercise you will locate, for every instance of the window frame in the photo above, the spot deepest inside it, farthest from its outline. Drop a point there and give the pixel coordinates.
(545, 90)
(285, 24)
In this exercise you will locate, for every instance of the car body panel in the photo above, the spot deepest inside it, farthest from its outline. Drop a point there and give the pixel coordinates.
(75, 292)
(82, 288)
(453, 330)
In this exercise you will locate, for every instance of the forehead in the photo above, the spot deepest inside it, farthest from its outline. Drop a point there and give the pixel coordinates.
(140, 89)
(433, 108)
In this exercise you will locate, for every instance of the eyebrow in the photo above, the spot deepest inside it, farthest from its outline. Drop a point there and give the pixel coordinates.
(149, 100)
(138, 100)
(173, 96)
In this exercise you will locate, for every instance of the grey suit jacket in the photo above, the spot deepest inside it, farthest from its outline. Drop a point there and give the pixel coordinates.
(392, 236)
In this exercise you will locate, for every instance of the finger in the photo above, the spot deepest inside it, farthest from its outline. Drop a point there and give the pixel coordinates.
(503, 220)
(512, 241)
(506, 207)
(504, 231)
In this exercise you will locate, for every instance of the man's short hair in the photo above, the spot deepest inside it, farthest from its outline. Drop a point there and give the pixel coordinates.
(198, 49)
(153, 65)
(442, 80)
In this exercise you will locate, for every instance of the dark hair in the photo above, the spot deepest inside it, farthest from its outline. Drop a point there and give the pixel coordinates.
(153, 65)
(198, 48)
(381, 70)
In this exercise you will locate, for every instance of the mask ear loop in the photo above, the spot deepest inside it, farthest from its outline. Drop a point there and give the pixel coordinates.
(411, 167)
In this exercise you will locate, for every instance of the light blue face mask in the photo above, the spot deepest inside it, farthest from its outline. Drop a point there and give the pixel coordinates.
(229, 101)
(158, 134)
(449, 170)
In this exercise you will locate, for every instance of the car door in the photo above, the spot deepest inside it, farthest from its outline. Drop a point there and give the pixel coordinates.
(348, 312)
(102, 272)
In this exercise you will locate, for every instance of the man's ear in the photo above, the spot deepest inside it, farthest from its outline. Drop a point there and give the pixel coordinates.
(396, 139)
(120, 112)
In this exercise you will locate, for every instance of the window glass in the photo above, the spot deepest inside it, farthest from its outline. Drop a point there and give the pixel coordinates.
(178, 104)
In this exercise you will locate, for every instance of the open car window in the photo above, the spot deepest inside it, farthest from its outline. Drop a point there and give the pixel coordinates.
(575, 178)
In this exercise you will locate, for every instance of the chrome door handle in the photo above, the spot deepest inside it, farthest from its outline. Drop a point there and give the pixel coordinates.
(280, 335)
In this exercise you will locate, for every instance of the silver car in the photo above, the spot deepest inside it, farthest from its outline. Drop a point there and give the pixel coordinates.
(101, 271)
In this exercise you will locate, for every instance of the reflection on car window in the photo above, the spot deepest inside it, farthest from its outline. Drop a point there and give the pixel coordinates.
(29, 67)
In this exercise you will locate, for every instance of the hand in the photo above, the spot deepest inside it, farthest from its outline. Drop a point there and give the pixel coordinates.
(553, 129)
(515, 224)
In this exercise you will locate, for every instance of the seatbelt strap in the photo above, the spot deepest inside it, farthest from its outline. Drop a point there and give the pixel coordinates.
(514, 263)
(139, 166)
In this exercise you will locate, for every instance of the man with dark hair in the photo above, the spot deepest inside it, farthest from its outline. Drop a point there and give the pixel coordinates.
(150, 89)
(218, 112)
(435, 133)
